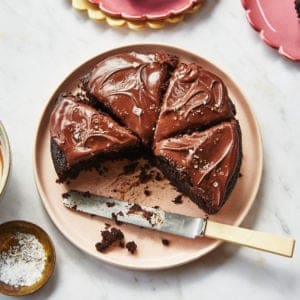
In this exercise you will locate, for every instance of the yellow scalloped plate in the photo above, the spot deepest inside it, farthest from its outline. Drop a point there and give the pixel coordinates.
(96, 14)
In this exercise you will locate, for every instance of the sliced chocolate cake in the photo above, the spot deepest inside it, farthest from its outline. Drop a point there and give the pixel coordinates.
(203, 165)
(130, 86)
(195, 99)
(132, 105)
(82, 137)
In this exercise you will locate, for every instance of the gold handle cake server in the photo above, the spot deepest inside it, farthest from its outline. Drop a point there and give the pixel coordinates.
(157, 219)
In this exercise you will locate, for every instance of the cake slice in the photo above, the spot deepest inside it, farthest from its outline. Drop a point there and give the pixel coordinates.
(82, 137)
(203, 165)
(195, 99)
(130, 86)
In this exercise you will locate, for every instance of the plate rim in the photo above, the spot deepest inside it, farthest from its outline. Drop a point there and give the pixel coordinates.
(264, 36)
(107, 259)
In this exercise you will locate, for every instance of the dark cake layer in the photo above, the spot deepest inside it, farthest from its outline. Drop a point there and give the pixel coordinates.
(204, 165)
(195, 99)
(130, 86)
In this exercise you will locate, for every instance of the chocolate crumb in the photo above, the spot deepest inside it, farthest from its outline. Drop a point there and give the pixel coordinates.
(74, 206)
(156, 207)
(178, 199)
(145, 174)
(131, 247)
(109, 238)
(110, 204)
(159, 177)
(165, 242)
(147, 193)
(129, 169)
(107, 225)
(86, 194)
(240, 175)
(66, 195)
(115, 218)
(137, 209)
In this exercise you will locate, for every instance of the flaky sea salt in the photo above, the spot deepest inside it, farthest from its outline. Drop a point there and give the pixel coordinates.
(137, 110)
(23, 263)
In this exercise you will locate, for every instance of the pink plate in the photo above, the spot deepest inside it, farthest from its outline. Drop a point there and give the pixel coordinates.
(277, 23)
(84, 230)
(144, 10)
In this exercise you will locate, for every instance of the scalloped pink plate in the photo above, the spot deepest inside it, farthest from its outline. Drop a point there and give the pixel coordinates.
(144, 10)
(277, 23)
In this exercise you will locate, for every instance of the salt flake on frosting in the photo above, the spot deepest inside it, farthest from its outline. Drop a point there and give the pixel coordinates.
(137, 111)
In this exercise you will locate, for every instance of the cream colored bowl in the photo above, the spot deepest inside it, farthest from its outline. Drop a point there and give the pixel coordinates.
(5, 159)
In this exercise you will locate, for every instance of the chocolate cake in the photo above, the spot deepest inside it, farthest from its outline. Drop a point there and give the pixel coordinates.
(195, 99)
(297, 7)
(181, 116)
(81, 137)
(130, 86)
(203, 165)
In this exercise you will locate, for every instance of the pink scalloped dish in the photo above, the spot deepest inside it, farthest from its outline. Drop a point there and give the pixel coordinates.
(144, 10)
(278, 24)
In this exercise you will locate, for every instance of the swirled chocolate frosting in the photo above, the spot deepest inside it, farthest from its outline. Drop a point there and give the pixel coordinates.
(195, 99)
(80, 131)
(130, 86)
(209, 158)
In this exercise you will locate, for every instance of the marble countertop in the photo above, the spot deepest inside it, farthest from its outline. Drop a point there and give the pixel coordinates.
(42, 41)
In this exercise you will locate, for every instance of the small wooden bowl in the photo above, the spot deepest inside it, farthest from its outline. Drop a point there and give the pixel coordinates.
(5, 159)
(7, 231)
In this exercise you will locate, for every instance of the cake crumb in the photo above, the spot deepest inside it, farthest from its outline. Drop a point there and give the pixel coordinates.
(115, 218)
(107, 225)
(109, 239)
(147, 193)
(178, 199)
(131, 247)
(165, 242)
(130, 168)
(65, 195)
(110, 204)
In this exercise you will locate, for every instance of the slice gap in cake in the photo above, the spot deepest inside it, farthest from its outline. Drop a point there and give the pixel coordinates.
(195, 99)
(130, 86)
(203, 165)
(83, 138)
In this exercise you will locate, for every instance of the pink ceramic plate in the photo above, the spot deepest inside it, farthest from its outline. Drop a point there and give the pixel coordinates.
(277, 23)
(84, 230)
(144, 10)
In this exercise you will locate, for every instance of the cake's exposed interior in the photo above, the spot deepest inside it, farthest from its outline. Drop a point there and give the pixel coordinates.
(137, 104)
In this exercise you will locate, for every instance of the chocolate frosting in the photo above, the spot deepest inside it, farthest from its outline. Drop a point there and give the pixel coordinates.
(209, 158)
(81, 131)
(129, 84)
(195, 98)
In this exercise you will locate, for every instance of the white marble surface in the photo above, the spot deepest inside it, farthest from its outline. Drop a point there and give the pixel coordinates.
(42, 41)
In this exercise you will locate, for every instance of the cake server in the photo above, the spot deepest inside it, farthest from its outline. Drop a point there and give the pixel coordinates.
(157, 219)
